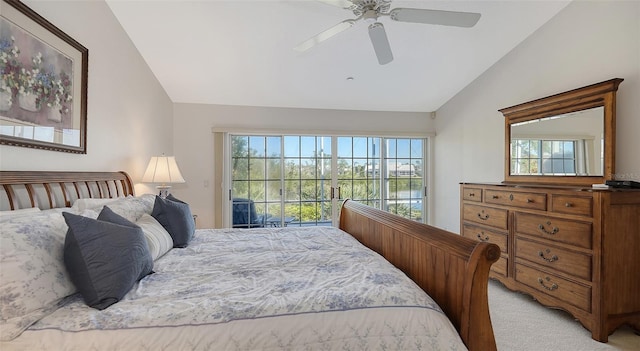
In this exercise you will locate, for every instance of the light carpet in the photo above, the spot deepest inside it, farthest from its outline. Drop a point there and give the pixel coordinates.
(522, 324)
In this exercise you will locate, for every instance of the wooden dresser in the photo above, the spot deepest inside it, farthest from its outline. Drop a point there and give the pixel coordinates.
(574, 248)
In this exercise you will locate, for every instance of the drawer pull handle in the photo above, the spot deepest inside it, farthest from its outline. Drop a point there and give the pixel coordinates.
(495, 196)
(544, 229)
(485, 238)
(553, 286)
(511, 197)
(552, 259)
(568, 204)
(530, 201)
(483, 217)
(472, 194)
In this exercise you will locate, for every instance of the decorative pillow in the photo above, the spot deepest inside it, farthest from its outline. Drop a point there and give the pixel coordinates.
(33, 279)
(175, 216)
(107, 215)
(16, 213)
(105, 257)
(158, 238)
(82, 204)
(133, 207)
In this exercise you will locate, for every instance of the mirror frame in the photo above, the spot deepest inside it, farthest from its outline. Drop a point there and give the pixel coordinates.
(596, 95)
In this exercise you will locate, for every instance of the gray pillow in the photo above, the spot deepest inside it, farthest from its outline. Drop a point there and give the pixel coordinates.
(108, 215)
(105, 257)
(175, 216)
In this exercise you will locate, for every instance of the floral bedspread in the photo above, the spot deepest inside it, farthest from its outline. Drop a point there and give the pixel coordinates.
(273, 288)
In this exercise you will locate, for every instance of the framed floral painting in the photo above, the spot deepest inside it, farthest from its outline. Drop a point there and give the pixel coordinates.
(43, 92)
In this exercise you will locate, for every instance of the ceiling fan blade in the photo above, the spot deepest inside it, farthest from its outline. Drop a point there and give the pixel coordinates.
(317, 39)
(345, 4)
(380, 43)
(445, 18)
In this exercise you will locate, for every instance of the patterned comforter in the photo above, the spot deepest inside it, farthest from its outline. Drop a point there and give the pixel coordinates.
(259, 289)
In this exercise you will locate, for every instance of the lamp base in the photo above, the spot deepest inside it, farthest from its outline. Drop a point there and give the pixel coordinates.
(164, 190)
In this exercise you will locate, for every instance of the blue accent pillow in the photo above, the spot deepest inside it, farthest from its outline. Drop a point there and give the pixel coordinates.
(175, 216)
(105, 257)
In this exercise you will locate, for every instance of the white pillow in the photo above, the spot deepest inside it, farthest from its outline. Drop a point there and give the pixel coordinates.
(158, 238)
(89, 203)
(16, 213)
(33, 278)
(133, 207)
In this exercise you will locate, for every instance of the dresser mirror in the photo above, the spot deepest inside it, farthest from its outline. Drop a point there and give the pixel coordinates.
(567, 138)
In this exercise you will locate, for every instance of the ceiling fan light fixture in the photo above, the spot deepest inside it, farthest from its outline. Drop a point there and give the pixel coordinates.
(370, 16)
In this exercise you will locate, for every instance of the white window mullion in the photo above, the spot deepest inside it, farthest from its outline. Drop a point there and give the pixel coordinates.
(226, 180)
(384, 169)
(426, 181)
(334, 180)
(282, 177)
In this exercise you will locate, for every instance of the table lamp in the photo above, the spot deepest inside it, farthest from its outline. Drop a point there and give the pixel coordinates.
(163, 170)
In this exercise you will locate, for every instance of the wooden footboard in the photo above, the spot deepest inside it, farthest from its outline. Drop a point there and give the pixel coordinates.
(452, 269)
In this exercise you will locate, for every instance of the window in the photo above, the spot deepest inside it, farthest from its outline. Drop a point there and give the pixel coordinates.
(256, 171)
(362, 161)
(359, 169)
(301, 180)
(307, 180)
(404, 179)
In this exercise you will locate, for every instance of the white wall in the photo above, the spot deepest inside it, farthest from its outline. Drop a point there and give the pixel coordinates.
(194, 142)
(586, 43)
(129, 115)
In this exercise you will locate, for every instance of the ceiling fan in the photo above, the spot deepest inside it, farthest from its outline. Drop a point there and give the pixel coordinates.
(371, 10)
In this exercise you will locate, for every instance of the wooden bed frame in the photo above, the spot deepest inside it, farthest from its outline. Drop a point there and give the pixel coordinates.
(452, 269)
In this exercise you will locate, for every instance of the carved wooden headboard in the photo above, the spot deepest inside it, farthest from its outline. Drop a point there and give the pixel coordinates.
(44, 189)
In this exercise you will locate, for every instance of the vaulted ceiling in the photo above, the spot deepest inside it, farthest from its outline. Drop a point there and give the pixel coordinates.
(241, 52)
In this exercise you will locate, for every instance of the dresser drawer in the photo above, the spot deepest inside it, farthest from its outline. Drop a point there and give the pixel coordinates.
(575, 205)
(534, 201)
(472, 194)
(494, 217)
(562, 230)
(576, 294)
(485, 235)
(566, 261)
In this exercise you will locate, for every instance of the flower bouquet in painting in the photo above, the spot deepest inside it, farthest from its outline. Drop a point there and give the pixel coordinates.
(9, 71)
(36, 87)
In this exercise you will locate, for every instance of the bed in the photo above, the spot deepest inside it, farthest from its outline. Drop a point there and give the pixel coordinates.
(313, 288)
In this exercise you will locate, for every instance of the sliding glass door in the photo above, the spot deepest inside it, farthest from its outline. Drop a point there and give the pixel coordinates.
(385, 173)
(307, 180)
(256, 173)
(296, 180)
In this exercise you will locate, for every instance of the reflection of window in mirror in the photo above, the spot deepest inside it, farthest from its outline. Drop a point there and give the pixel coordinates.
(568, 144)
(548, 157)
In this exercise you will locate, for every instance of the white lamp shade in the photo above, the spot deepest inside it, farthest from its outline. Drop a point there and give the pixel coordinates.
(164, 170)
